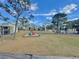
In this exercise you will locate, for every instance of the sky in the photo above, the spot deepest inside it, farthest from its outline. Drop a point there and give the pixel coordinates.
(44, 9)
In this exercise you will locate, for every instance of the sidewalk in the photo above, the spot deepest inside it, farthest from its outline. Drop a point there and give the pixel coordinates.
(28, 56)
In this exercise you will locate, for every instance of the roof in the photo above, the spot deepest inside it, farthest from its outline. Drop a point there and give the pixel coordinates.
(6, 23)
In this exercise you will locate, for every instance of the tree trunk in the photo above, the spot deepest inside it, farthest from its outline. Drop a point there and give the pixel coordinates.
(16, 28)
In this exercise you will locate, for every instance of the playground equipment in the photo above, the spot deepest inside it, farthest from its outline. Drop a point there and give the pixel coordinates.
(32, 33)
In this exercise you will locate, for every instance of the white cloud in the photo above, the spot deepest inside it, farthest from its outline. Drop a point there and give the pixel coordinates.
(49, 18)
(52, 12)
(74, 19)
(42, 14)
(34, 7)
(69, 8)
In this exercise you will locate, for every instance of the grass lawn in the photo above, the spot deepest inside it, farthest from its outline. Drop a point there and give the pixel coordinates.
(46, 44)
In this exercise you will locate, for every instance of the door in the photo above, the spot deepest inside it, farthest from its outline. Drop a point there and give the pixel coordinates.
(5, 30)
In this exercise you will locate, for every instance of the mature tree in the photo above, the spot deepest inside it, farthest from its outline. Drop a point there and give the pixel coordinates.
(49, 26)
(23, 23)
(58, 21)
(15, 8)
(75, 24)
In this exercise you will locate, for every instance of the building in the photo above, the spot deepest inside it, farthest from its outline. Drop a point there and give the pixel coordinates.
(7, 28)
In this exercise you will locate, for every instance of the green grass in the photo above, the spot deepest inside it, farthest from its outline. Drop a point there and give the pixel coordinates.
(46, 44)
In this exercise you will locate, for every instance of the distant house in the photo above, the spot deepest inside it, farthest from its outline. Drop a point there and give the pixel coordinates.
(7, 28)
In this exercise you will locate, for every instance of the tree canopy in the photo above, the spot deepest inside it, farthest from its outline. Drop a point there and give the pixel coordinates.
(58, 20)
(15, 8)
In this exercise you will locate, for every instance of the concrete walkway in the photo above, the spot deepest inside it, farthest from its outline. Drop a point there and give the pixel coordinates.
(54, 57)
(28, 56)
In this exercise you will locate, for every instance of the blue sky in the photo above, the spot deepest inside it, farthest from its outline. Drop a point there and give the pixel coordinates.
(42, 9)
(45, 6)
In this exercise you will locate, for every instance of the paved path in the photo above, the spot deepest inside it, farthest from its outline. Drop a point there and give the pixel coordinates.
(28, 56)
(54, 57)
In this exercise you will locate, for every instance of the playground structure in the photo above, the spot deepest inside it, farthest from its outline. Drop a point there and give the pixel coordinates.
(32, 33)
